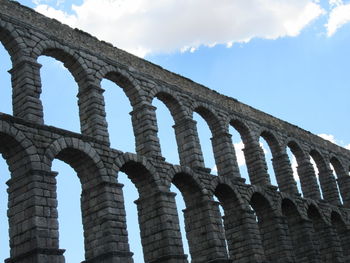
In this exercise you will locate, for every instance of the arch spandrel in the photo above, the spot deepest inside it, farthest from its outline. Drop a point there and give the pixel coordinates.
(13, 142)
(12, 41)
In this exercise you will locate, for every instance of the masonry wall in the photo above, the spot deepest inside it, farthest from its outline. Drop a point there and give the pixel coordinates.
(261, 222)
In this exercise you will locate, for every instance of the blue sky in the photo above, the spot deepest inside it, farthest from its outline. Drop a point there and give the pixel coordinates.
(289, 58)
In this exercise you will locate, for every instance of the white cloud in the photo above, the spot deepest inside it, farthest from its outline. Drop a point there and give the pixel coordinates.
(347, 146)
(153, 26)
(61, 16)
(338, 17)
(239, 153)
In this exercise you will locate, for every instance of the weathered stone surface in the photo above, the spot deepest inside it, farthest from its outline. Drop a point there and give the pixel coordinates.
(262, 223)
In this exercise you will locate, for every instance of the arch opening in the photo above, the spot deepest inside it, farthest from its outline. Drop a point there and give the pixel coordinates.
(72, 161)
(69, 212)
(265, 144)
(166, 133)
(180, 207)
(267, 226)
(294, 165)
(118, 108)
(130, 195)
(238, 147)
(320, 166)
(59, 94)
(338, 171)
(204, 137)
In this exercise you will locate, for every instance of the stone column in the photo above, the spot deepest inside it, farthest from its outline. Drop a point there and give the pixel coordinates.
(92, 112)
(243, 236)
(188, 143)
(26, 84)
(145, 129)
(205, 233)
(104, 223)
(331, 250)
(277, 245)
(224, 153)
(329, 186)
(256, 164)
(33, 218)
(301, 231)
(160, 231)
(284, 174)
(308, 179)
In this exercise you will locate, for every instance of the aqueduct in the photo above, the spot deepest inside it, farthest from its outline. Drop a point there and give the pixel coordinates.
(261, 222)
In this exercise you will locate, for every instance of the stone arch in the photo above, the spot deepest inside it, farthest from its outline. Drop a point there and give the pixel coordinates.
(141, 172)
(75, 64)
(216, 128)
(342, 179)
(319, 159)
(190, 187)
(326, 178)
(338, 167)
(178, 114)
(160, 235)
(172, 102)
(343, 233)
(306, 172)
(214, 123)
(322, 241)
(85, 160)
(243, 129)
(199, 207)
(297, 231)
(273, 238)
(70, 146)
(272, 141)
(216, 181)
(186, 171)
(280, 162)
(253, 153)
(239, 222)
(86, 91)
(124, 80)
(14, 142)
(275, 149)
(12, 42)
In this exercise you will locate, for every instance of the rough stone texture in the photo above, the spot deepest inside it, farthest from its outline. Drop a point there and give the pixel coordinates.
(262, 223)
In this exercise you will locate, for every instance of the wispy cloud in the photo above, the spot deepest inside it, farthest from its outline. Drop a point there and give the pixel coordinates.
(338, 16)
(153, 26)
